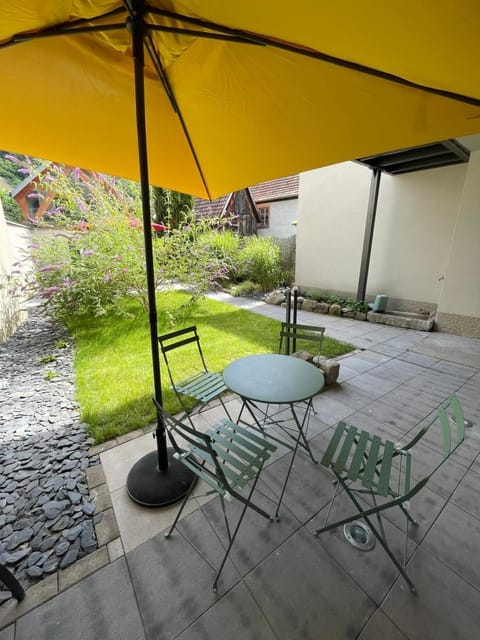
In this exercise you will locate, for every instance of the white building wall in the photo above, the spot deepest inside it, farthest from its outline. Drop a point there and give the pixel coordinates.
(459, 304)
(414, 225)
(282, 214)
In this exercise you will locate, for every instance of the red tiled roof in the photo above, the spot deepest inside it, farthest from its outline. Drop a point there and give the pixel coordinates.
(276, 189)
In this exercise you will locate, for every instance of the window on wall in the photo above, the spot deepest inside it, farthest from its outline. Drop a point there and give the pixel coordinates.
(264, 213)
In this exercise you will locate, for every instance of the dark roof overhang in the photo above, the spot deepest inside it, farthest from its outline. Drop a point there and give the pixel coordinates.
(427, 156)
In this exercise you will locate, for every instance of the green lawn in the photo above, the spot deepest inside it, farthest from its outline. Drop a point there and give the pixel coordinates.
(113, 364)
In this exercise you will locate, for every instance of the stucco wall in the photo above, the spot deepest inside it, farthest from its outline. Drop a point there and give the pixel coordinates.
(459, 304)
(415, 221)
(282, 214)
(14, 240)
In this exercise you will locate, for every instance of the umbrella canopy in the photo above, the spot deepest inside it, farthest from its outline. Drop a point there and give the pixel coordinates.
(221, 95)
(236, 92)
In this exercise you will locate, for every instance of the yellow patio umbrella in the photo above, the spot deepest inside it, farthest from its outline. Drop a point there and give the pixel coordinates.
(223, 95)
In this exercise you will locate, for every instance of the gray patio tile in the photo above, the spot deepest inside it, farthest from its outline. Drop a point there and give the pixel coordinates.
(374, 357)
(435, 383)
(101, 606)
(397, 370)
(235, 616)
(418, 359)
(372, 385)
(257, 537)
(352, 396)
(304, 594)
(373, 571)
(8, 633)
(459, 371)
(387, 350)
(346, 373)
(310, 485)
(173, 583)
(466, 495)
(406, 340)
(357, 363)
(453, 539)
(330, 409)
(445, 606)
(379, 627)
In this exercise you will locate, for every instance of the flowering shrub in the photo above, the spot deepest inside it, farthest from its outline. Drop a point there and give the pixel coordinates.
(93, 255)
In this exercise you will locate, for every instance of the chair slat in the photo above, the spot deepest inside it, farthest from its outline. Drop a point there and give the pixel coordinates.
(370, 467)
(358, 460)
(386, 468)
(447, 434)
(344, 454)
(333, 444)
(245, 447)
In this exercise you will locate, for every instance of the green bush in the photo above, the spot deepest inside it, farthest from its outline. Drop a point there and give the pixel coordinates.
(11, 208)
(259, 261)
(223, 246)
(245, 288)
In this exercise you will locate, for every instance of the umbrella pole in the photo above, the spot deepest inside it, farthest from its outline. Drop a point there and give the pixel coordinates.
(157, 479)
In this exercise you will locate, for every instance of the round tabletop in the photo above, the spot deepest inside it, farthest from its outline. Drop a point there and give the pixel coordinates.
(273, 378)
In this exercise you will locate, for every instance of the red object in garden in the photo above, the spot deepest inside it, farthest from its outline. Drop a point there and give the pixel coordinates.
(158, 227)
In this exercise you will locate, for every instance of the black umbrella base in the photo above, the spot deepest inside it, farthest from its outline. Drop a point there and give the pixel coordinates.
(150, 487)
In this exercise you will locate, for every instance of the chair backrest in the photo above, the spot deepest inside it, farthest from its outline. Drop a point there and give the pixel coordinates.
(449, 417)
(360, 455)
(177, 339)
(291, 333)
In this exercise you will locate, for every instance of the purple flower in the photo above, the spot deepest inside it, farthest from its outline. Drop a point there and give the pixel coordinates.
(49, 178)
(23, 170)
(88, 252)
(33, 194)
(8, 156)
(50, 267)
(67, 282)
(33, 246)
(76, 173)
(48, 293)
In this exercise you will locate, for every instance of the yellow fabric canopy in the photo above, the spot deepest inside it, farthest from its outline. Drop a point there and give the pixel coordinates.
(258, 88)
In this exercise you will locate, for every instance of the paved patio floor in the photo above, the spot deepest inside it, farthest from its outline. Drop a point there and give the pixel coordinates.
(282, 582)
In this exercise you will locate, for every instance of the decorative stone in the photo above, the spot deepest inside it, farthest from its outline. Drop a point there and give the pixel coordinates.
(323, 307)
(275, 297)
(335, 310)
(309, 305)
(330, 368)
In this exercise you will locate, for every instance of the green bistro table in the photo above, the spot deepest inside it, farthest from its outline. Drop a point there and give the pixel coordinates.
(272, 379)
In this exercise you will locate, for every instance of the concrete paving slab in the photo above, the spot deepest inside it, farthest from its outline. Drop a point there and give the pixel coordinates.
(445, 346)
(446, 606)
(379, 627)
(303, 593)
(101, 606)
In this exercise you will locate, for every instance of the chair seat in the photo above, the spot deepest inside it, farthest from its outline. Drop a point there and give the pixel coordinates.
(203, 386)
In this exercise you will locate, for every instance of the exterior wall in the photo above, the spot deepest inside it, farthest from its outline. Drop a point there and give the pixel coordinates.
(14, 239)
(332, 207)
(459, 304)
(415, 221)
(282, 214)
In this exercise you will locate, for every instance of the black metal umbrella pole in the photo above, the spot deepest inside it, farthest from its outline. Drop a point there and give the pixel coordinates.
(157, 479)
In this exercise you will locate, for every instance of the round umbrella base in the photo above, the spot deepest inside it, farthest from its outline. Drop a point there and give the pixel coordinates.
(150, 487)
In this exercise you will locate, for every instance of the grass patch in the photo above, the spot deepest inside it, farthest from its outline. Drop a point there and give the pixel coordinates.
(114, 382)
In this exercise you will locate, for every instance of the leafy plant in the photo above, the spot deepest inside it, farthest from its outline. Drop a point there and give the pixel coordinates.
(245, 288)
(46, 359)
(61, 344)
(259, 260)
(51, 375)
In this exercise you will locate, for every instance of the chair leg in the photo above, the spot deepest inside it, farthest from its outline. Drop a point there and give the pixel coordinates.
(246, 504)
(12, 583)
(365, 515)
(182, 506)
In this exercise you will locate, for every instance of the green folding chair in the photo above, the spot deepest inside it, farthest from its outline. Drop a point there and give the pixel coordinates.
(228, 458)
(292, 333)
(364, 463)
(202, 385)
